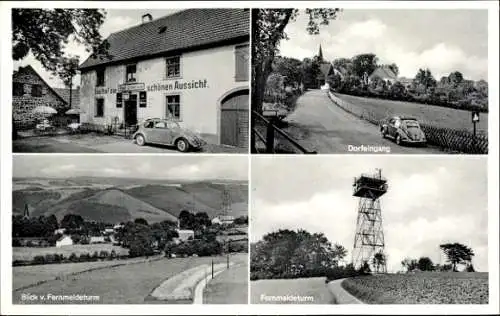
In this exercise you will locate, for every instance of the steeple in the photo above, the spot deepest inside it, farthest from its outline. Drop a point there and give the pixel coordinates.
(320, 54)
(26, 211)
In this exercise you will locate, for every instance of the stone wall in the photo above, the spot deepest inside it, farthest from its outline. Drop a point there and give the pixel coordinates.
(23, 106)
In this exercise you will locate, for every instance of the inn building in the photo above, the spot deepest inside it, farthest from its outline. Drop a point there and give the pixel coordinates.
(191, 67)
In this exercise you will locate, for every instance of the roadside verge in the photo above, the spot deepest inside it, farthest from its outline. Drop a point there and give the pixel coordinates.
(340, 295)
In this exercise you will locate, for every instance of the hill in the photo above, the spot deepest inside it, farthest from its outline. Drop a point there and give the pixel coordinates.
(110, 206)
(114, 200)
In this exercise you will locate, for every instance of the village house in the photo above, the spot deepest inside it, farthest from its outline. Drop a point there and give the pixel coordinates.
(29, 91)
(384, 73)
(64, 241)
(191, 67)
(97, 240)
(184, 234)
(223, 220)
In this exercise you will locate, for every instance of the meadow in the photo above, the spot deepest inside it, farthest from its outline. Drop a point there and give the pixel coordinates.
(420, 288)
(429, 114)
(124, 284)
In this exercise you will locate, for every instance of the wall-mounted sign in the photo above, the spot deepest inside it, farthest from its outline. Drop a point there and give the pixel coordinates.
(178, 85)
(126, 96)
(142, 99)
(119, 100)
(131, 87)
(104, 90)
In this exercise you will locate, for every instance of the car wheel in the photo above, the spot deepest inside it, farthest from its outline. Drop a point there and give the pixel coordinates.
(182, 145)
(139, 139)
(398, 139)
(382, 131)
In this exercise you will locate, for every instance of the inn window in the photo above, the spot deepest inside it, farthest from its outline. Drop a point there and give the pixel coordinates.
(242, 56)
(36, 90)
(131, 71)
(100, 81)
(99, 107)
(17, 89)
(173, 107)
(173, 67)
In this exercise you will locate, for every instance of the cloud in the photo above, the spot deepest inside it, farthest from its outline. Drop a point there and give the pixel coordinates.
(60, 170)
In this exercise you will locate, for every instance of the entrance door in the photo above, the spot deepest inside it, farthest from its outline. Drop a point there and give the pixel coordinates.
(234, 119)
(131, 110)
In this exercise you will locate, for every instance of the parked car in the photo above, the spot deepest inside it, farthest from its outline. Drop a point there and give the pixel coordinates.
(403, 130)
(274, 110)
(167, 132)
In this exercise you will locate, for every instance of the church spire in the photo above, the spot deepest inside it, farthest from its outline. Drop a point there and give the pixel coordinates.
(320, 54)
(26, 211)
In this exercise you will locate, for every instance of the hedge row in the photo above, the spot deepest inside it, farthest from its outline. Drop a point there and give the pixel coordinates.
(60, 258)
(333, 273)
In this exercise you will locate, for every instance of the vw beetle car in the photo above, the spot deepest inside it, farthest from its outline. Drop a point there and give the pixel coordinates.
(166, 132)
(403, 130)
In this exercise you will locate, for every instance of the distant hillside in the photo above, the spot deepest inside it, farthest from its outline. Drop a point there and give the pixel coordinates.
(200, 196)
(153, 201)
(110, 205)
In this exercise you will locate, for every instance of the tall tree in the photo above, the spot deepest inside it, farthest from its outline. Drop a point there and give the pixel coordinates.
(46, 32)
(268, 29)
(364, 63)
(72, 221)
(457, 253)
(425, 79)
(379, 260)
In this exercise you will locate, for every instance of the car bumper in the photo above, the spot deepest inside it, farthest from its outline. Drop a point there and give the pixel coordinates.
(416, 142)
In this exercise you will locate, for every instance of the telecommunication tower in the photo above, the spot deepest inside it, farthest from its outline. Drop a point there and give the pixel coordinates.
(226, 202)
(369, 236)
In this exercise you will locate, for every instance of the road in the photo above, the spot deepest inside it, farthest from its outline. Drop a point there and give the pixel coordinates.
(319, 125)
(229, 287)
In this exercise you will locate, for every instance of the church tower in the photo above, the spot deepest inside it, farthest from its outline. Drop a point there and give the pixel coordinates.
(320, 54)
(26, 211)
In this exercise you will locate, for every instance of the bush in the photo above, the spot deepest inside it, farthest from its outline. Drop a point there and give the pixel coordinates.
(103, 254)
(73, 257)
(39, 260)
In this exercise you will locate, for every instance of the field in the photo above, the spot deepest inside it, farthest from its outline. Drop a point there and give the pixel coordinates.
(433, 115)
(28, 253)
(420, 288)
(308, 290)
(229, 287)
(26, 276)
(126, 284)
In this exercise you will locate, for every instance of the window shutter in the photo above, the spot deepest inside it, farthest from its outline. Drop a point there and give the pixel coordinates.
(142, 99)
(119, 100)
(241, 63)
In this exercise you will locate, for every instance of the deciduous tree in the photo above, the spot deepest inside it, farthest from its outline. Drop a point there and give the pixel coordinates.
(457, 253)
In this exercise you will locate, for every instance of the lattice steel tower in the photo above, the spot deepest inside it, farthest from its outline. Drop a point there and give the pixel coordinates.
(226, 202)
(369, 237)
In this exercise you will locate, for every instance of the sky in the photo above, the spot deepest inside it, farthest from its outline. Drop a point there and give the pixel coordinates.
(430, 201)
(116, 20)
(442, 40)
(155, 167)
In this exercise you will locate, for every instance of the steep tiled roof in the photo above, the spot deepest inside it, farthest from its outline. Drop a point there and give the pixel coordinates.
(183, 30)
(75, 96)
(28, 69)
(384, 73)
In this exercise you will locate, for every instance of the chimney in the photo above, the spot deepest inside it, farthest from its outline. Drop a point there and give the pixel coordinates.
(147, 18)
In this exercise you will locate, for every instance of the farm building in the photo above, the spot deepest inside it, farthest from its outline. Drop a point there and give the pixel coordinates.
(184, 234)
(29, 91)
(97, 239)
(191, 67)
(384, 73)
(64, 241)
(223, 220)
(60, 231)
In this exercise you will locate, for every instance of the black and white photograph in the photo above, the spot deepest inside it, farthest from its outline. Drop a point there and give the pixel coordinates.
(130, 81)
(129, 230)
(369, 81)
(376, 230)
